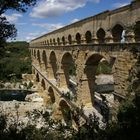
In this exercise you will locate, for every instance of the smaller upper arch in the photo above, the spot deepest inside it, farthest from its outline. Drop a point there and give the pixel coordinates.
(88, 37)
(63, 40)
(101, 35)
(58, 41)
(117, 32)
(54, 41)
(70, 39)
(78, 38)
(50, 41)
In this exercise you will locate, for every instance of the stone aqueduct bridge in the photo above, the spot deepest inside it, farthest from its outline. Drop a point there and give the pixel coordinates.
(78, 48)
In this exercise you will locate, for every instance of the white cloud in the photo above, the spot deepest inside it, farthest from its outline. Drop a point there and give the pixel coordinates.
(13, 18)
(53, 8)
(49, 27)
(33, 35)
(118, 4)
(74, 20)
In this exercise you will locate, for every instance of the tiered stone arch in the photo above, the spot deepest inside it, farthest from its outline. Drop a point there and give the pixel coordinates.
(37, 77)
(101, 35)
(78, 38)
(52, 65)
(87, 88)
(66, 112)
(51, 94)
(117, 32)
(43, 84)
(38, 57)
(68, 67)
(44, 59)
(137, 31)
(88, 37)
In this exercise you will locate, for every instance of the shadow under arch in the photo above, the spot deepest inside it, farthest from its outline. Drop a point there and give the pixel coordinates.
(68, 66)
(78, 38)
(53, 64)
(101, 35)
(38, 57)
(37, 78)
(70, 39)
(66, 112)
(137, 31)
(51, 94)
(35, 53)
(88, 37)
(43, 84)
(44, 58)
(90, 72)
(117, 32)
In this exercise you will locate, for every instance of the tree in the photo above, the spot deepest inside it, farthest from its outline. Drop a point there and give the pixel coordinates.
(8, 30)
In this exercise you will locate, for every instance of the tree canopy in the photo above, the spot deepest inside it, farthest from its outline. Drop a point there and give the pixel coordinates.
(8, 30)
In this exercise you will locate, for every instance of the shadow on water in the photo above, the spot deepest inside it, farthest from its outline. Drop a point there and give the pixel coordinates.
(10, 95)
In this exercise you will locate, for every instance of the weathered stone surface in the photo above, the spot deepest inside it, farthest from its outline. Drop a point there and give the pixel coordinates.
(80, 57)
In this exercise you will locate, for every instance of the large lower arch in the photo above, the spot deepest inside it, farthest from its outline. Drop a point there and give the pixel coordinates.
(137, 31)
(66, 112)
(51, 94)
(34, 53)
(38, 57)
(91, 66)
(53, 65)
(44, 58)
(68, 67)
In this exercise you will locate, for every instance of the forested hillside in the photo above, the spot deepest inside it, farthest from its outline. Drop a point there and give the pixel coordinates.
(14, 61)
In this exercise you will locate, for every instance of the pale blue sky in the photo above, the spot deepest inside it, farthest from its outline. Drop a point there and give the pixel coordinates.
(49, 15)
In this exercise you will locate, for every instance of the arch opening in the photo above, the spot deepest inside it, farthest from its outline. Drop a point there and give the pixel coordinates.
(53, 64)
(58, 41)
(44, 58)
(78, 38)
(63, 40)
(43, 84)
(38, 57)
(50, 41)
(66, 112)
(70, 39)
(101, 35)
(69, 69)
(51, 95)
(88, 37)
(37, 78)
(96, 67)
(54, 41)
(137, 31)
(34, 53)
(117, 33)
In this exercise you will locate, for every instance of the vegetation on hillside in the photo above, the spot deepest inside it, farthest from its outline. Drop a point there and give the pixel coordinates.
(14, 61)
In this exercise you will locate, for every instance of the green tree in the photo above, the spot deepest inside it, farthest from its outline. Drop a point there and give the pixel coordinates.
(8, 30)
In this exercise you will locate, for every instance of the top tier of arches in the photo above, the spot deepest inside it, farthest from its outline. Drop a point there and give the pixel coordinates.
(107, 27)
